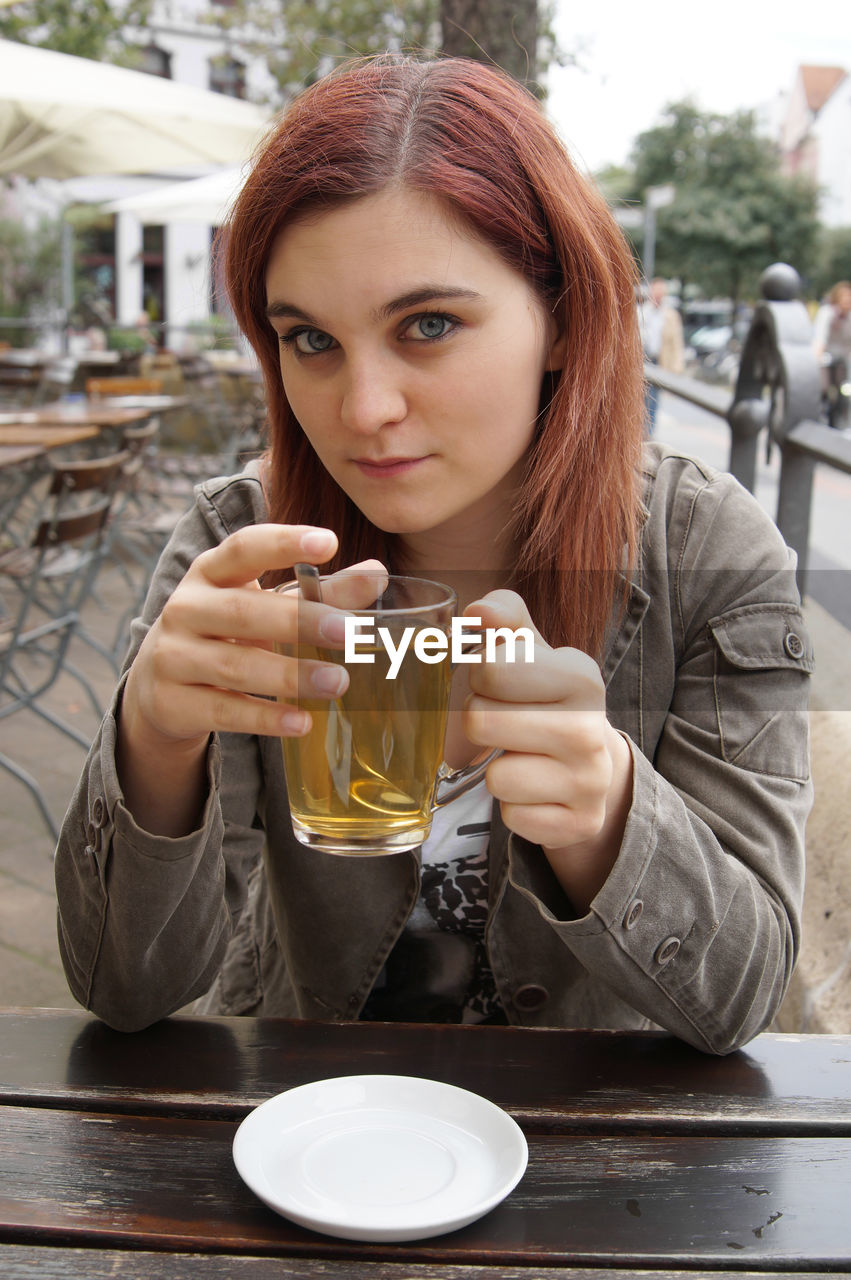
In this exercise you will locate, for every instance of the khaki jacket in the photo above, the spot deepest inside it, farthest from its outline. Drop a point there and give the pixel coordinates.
(696, 928)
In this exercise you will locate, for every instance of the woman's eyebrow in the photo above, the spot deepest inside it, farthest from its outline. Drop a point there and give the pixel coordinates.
(277, 310)
(426, 293)
(411, 298)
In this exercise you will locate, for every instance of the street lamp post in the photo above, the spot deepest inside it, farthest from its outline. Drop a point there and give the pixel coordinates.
(644, 215)
(654, 198)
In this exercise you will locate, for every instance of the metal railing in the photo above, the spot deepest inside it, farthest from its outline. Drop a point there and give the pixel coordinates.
(778, 391)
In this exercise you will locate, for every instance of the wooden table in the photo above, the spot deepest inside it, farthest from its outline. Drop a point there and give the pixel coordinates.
(95, 411)
(645, 1156)
(35, 436)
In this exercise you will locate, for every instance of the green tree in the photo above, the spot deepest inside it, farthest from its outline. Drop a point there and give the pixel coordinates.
(616, 182)
(86, 28)
(29, 271)
(304, 39)
(734, 212)
(833, 260)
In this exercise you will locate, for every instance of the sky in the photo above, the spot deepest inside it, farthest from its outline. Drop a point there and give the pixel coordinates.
(726, 54)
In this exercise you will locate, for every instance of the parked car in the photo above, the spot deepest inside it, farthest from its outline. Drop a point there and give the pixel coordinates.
(709, 339)
(715, 348)
(705, 313)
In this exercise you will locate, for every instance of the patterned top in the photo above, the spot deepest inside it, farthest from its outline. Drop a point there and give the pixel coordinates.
(438, 971)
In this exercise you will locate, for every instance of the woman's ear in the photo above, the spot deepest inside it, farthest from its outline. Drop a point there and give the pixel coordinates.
(556, 353)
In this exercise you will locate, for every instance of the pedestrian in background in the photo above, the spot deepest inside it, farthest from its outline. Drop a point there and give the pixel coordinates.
(662, 340)
(832, 345)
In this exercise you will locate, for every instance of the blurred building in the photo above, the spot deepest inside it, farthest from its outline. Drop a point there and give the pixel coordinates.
(166, 270)
(815, 138)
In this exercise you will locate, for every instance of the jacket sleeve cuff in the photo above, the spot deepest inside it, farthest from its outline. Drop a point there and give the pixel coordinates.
(660, 931)
(106, 811)
(110, 874)
(531, 874)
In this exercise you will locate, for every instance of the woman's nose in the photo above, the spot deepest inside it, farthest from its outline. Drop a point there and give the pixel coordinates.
(372, 397)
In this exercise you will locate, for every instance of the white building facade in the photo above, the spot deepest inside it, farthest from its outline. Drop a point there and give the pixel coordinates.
(816, 138)
(185, 44)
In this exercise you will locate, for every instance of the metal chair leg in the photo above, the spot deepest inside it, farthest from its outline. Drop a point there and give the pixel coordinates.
(29, 781)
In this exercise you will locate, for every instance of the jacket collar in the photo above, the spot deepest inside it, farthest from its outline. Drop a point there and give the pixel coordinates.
(623, 629)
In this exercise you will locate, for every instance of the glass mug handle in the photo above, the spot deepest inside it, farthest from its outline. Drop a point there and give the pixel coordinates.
(452, 783)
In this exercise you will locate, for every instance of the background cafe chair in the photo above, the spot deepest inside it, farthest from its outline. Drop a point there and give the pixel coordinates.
(167, 469)
(146, 510)
(21, 495)
(123, 386)
(46, 585)
(142, 520)
(210, 434)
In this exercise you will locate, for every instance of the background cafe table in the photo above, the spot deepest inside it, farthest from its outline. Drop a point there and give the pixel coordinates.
(645, 1156)
(34, 437)
(95, 411)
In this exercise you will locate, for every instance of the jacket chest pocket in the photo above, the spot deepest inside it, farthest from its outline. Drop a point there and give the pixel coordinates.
(763, 659)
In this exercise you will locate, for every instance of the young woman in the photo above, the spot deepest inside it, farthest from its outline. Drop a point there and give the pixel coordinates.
(444, 312)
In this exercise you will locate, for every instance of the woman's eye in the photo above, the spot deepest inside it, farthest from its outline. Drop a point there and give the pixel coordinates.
(309, 342)
(429, 327)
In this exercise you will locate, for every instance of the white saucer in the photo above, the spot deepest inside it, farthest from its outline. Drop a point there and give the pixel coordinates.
(380, 1157)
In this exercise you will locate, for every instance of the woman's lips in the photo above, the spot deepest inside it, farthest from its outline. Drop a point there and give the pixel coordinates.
(386, 467)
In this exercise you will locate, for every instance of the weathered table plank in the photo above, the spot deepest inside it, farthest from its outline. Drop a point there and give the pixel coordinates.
(26, 1262)
(550, 1081)
(632, 1201)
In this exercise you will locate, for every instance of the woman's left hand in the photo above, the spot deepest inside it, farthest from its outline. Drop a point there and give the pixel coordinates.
(564, 780)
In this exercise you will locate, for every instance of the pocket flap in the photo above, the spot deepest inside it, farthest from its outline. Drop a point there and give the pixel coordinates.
(762, 637)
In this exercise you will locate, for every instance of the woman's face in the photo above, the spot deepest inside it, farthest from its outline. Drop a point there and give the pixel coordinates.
(412, 356)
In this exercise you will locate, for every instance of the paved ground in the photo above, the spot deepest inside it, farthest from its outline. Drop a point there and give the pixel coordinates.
(30, 971)
(819, 999)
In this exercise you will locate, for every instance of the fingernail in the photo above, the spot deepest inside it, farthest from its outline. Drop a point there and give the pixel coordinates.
(333, 628)
(331, 680)
(316, 542)
(294, 724)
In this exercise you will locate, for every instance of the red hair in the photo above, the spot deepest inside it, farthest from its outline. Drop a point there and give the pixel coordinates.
(469, 135)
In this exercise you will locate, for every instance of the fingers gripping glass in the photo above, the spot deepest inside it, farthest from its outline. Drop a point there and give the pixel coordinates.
(368, 776)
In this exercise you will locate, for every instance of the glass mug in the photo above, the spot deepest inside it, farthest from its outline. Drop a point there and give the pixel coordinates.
(370, 773)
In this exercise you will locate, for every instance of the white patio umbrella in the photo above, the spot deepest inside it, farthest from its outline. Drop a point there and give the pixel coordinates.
(64, 117)
(206, 199)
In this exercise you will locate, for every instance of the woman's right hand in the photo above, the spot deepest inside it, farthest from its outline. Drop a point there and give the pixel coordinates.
(208, 664)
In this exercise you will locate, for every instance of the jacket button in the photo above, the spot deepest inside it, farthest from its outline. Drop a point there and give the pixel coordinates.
(98, 812)
(667, 950)
(530, 996)
(631, 918)
(794, 645)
